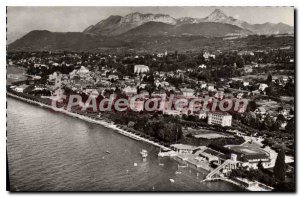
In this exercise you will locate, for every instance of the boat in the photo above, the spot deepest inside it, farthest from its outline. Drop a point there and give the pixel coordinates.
(178, 172)
(144, 153)
(107, 152)
(134, 164)
(182, 166)
(172, 180)
(161, 164)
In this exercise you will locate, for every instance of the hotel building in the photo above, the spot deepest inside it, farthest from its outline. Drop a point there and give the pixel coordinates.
(219, 118)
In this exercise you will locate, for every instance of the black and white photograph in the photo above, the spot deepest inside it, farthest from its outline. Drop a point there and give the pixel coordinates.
(150, 99)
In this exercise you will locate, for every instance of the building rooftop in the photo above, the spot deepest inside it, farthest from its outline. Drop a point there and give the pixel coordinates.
(183, 146)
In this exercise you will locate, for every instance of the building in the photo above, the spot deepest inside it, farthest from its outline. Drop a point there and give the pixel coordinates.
(172, 112)
(82, 72)
(144, 94)
(246, 83)
(285, 112)
(187, 92)
(239, 95)
(250, 156)
(241, 53)
(248, 69)
(202, 114)
(159, 93)
(207, 55)
(202, 66)
(235, 156)
(183, 148)
(130, 91)
(212, 155)
(263, 86)
(219, 95)
(210, 87)
(219, 118)
(113, 77)
(141, 69)
(202, 84)
(285, 79)
(255, 92)
(138, 105)
(20, 88)
(260, 111)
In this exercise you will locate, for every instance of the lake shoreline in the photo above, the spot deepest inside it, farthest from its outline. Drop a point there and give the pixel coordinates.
(104, 122)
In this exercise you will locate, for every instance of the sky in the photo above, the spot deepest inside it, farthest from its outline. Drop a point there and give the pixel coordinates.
(21, 20)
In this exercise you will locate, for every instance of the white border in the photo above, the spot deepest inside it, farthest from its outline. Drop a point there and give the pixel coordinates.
(5, 3)
(150, 3)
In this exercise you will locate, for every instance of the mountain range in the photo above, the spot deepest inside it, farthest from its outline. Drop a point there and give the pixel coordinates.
(217, 20)
(121, 31)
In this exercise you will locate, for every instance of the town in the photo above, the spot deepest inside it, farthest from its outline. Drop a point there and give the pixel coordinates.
(252, 145)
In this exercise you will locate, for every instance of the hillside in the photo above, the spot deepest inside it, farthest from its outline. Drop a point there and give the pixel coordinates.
(210, 29)
(151, 29)
(53, 41)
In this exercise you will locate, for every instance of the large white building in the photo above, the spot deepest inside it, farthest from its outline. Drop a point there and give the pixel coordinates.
(263, 86)
(141, 69)
(130, 91)
(219, 118)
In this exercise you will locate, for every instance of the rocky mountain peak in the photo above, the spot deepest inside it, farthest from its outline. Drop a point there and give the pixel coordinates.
(216, 15)
(140, 18)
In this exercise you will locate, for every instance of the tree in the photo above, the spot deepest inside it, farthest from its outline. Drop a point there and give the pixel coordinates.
(290, 127)
(268, 122)
(170, 132)
(260, 166)
(280, 168)
(252, 105)
(280, 119)
(269, 79)
(150, 88)
(270, 91)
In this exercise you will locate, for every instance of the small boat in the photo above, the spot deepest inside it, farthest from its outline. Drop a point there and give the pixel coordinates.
(161, 164)
(178, 172)
(144, 153)
(172, 180)
(134, 164)
(107, 152)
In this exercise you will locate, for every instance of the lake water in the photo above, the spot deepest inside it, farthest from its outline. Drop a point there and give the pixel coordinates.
(49, 151)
